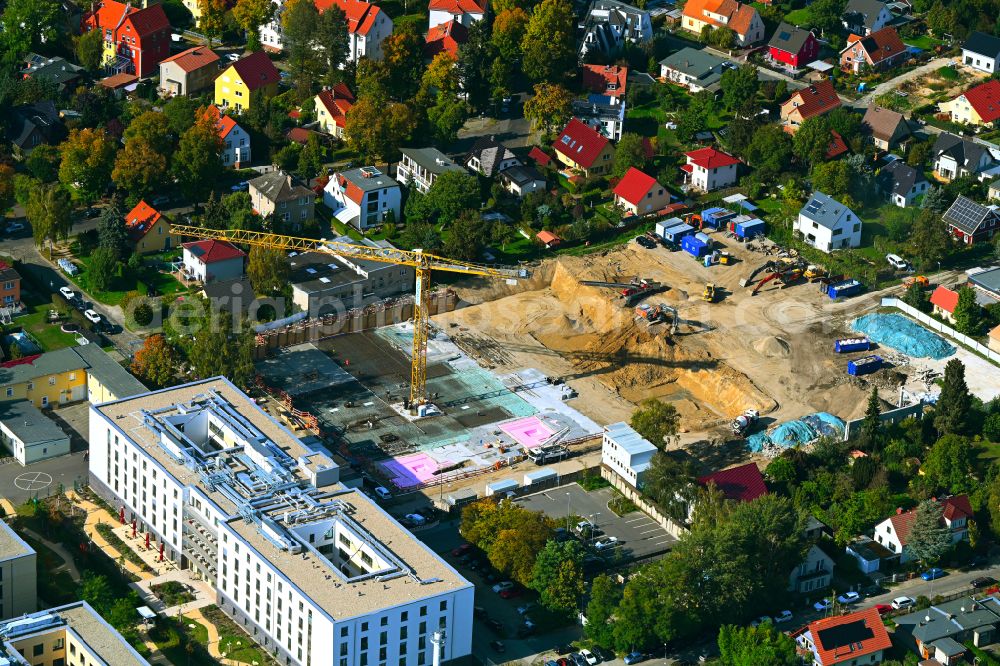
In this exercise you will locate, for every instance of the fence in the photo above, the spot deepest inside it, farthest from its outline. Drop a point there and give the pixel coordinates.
(890, 417)
(634, 496)
(935, 325)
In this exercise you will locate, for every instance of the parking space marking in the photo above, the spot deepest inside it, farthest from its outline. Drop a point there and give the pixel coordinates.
(655, 529)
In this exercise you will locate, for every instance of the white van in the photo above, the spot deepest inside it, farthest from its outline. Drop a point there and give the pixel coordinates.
(897, 262)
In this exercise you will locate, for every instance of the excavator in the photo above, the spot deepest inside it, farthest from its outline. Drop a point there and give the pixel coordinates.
(631, 292)
(654, 314)
(786, 277)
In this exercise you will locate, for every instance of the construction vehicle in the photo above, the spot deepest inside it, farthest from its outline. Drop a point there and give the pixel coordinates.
(654, 314)
(630, 292)
(919, 280)
(742, 423)
(544, 455)
(709, 294)
(423, 264)
(814, 273)
(779, 265)
(785, 277)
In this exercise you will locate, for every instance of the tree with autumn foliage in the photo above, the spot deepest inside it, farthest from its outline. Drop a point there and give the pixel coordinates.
(139, 169)
(509, 28)
(550, 107)
(198, 160)
(403, 56)
(87, 158)
(376, 130)
(212, 19)
(549, 44)
(156, 362)
(250, 15)
(6, 187)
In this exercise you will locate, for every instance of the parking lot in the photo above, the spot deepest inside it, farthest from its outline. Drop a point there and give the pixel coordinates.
(638, 535)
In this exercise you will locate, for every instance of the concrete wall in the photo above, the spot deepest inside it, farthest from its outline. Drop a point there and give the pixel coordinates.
(645, 506)
(890, 417)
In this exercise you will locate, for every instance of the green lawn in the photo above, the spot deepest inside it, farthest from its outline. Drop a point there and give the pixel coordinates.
(925, 42)
(801, 17)
(156, 280)
(35, 323)
(182, 642)
(56, 588)
(234, 642)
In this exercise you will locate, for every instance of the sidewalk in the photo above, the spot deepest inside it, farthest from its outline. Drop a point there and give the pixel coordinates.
(59, 550)
(213, 638)
(97, 515)
(202, 592)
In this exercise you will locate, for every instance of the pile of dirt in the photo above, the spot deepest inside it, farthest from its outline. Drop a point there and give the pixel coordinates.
(772, 347)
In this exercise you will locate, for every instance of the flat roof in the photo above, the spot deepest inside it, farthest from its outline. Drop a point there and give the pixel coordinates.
(28, 423)
(988, 279)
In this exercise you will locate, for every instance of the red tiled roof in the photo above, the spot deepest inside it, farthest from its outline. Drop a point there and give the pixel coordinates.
(361, 15)
(298, 135)
(224, 123)
(456, 7)
(634, 185)
(211, 251)
(581, 143)
(599, 78)
(149, 20)
(548, 237)
(337, 101)
(985, 99)
(710, 158)
(945, 298)
(445, 37)
(952, 507)
(256, 70)
(540, 156)
(883, 44)
(817, 99)
(870, 630)
(743, 483)
(837, 145)
(140, 220)
(109, 14)
(738, 16)
(957, 507)
(194, 58)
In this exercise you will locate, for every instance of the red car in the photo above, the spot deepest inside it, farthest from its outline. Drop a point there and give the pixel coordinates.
(883, 608)
(511, 593)
(461, 550)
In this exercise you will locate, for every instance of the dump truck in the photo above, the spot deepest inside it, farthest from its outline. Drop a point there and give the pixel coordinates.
(919, 280)
(742, 423)
(709, 294)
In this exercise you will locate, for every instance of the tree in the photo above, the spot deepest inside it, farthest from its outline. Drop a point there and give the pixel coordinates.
(267, 269)
(43, 162)
(510, 535)
(155, 363)
(812, 140)
(153, 127)
(750, 646)
(332, 37)
(180, 113)
(139, 169)
(604, 597)
(27, 24)
(558, 576)
(102, 269)
(936, 200)
(769, 151)
(6, 187)
(88, 157)
(670, 484)
(219, 350)
(949, 465)
(403, 58)
(550, 107)
(212, 19)
(298, 24)
(375, 130)
(871, 424)
(930, 242)
(951, 414)
(826, 14)
(441, 77)
(111, 230)
(197, 162)
(475, 62)
(739, 88)
(549, 45)
(310, 158)
(968, 313)
(833, 178)
(48, 209)
(452, 193)
(250, 15)
(655, 420)
(447, 117)
(509, 28)
(467, 236)
(929, 539)
(90, 49)
(630, 152)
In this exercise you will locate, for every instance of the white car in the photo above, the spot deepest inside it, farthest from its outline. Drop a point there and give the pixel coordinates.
(897, 262)
(606, 542)
(67, 293)
(232, 57)
(383, 493)
(505, 585)
(416, 519)
(524, 608)
(900, 603)
(783, 616)
(92, 316)
(589, 657)
(849, 598)
(823, 605)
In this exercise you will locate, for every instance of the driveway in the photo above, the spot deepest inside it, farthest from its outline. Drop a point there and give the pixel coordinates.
(510, 128)
(893, 83)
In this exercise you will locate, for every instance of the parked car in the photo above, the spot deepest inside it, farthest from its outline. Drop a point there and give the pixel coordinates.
(524, 608)
(933, 573)
(510, 593)
(14, 227)
(578, 659)
(480, 612)
(883, 608)
(240, 187)
(605, 543)
(603, 654)
(589, 657)
(783, 616)
(897, 262)
(550, 662)
(416, 519)
(761, 620)
(495, 625)
(584, 526)
(91, 212)
(497, 646)
(159, 200)
(525, 630)
(67, 293)
(849, 598)
(634, 658)
(563, 649)
(383, 493)
(232, 57)
(92, 316)
(984, 581)
(505, 585)
(461, 550)
(645, 242)
(899, 603)
(823, 605)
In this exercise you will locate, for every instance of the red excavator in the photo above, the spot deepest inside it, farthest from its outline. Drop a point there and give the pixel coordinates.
(786, 278)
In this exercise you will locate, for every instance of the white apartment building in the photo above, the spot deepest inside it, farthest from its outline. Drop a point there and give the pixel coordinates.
(626, 453)
(315, 572)
(18, 589)
(363, 197)
(422, 166)
(367, 27)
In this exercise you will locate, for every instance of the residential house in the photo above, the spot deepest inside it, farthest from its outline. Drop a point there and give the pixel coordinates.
(993, 192)
(815, 100)
(19, 570)
(982, 51)
(367, 27)
(894, 531)
(539, 157)
(58, 70)
(793, 46)
(987, 283)
(445, 37)
(107, 380)
(846, 640)
(827, 224)
(148, 230)
(548, 239)
(709, 169)
(52, 378)
(236, 152)
(868, 553)
(30, 435)
(611, 24)
(944, 301)
(422, 166)
(607, 80)
(626, 453)
(488, 157)
(581, 148)
(521, 180)
(694, 69)
(31, 125)
(879, 51)
(640, 194)
(941, 631)
(956, 157)
(10, 287)
(888, 128)
(978, 106)
(364, 198)
(815, 572)
(212, 261)
(135, 39)
(605, 114)
(332, 105)
(970, 222)
(189, 72)
(863, 17)
(247, 80)
(743, 483)
(465, 12)
(901, 183)
(837, 147)
(235, 297)
(741, 18)
(277, 194)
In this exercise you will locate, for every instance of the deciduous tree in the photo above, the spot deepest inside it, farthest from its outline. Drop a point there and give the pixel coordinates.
(739, 88)
(968, 313)
(48, 209)
(139, 169)
(750, 646)
(550, 107)
(604, 597)
(769, 152)
(949, 465)
(250, 15)
(812, 140)
(43, 162)
(90, 49)
(268, 270)
(212, 19)
(558, 576)
(332, 38)
(102, 269)
(403, 55)
(630, 152)
(656, 420)
(375, 130)
(446, 117)
(156, 362)
(27, 24)
(930, 242)
(298, 24)
(452, 193)
(154, 128)
(549, 44)
(510, 535)
(509, 28)
(88, 156)
(198, 162)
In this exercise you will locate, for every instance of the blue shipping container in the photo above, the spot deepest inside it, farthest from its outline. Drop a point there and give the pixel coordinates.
(864, 366)
(704, 238)
(676, 233)
(716, 217)
(845, 288)
(749, 229)
(694, 247)
(852, 345)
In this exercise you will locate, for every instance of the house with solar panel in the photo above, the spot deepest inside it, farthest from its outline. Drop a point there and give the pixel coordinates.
(970, 222)
(827, 224)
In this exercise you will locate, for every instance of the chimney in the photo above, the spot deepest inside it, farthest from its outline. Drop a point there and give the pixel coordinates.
(899, 510)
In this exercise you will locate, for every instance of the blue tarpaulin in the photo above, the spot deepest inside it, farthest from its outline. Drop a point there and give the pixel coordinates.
(798, 432)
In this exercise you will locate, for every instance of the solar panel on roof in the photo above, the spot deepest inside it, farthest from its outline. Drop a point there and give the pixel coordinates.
(785, 36)
(196, 250)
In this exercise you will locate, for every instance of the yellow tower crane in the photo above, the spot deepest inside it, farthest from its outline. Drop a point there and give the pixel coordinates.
(421, 263)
